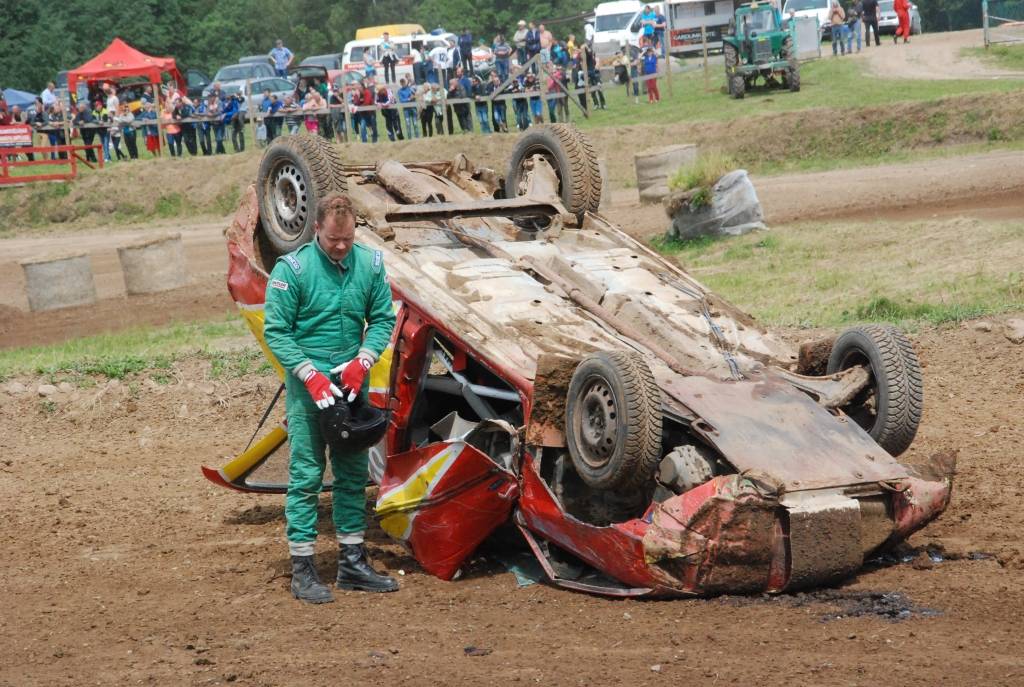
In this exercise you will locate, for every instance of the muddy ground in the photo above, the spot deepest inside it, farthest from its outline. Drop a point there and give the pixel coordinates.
(984, 186)
(122, 565)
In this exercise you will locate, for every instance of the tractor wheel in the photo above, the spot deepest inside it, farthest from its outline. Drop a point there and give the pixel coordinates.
(737, 86)
(793, 78)
(570, 154)
(787, 53)
(295, 173)
(732, 59)
(613, 421)
(889, 409)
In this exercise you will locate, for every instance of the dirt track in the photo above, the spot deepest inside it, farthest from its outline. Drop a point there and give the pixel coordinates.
(122, 565)
(985, 185)
(932, 56)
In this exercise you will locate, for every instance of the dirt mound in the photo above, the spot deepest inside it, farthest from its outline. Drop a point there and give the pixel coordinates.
(122, 564)
(211, 186)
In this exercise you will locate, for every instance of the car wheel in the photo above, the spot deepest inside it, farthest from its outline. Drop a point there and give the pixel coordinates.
(295, 173)
(570, 154)
(889, 408)
(613, 421)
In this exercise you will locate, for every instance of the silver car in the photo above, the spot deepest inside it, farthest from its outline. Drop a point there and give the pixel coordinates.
(234, 76)
(277, 85)
(887, 21)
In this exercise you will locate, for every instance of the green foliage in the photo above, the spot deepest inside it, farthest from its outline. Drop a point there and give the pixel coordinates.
(883, 309)
(703, 172)
(42, 38)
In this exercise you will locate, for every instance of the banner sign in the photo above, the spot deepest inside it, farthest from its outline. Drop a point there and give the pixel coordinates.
(690, 38)
(14, 135)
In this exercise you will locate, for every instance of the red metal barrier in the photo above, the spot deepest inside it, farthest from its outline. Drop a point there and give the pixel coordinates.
(42, 153)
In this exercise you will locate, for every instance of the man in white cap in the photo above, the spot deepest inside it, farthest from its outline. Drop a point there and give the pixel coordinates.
(519, 41)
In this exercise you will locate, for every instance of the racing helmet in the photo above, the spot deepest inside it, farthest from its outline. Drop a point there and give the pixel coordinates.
(352, 426)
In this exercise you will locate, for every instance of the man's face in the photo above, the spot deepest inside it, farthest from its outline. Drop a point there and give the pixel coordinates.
(279, 44)
(336, 235)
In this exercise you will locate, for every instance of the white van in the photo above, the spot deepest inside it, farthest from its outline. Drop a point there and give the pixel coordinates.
(408, 47)
(617, 23)
(818, 9)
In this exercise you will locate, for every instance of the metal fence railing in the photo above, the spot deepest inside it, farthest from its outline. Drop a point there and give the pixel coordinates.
(1002, 21)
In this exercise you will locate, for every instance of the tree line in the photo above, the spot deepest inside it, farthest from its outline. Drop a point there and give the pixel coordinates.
(38, 38)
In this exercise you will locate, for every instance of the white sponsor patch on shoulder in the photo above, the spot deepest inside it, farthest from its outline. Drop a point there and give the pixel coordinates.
(278, 284)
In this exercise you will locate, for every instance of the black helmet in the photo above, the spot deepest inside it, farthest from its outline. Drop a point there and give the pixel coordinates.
(352, 426)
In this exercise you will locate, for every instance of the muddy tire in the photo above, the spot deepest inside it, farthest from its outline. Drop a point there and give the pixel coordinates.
(570, 154)
(793, 79)
(613, 421)
(295, 173)
(889, 409)
(737, 86)
(787, 52)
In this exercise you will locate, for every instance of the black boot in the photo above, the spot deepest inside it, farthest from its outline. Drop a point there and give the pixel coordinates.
(306, 584)
(355, 573)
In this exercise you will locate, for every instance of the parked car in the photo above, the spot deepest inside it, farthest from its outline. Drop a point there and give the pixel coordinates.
(550, 374)
(277, 85)
(257, 59)
(331, 62)
(358, 53)
(197, 81)
(235, 75)
(887, 21)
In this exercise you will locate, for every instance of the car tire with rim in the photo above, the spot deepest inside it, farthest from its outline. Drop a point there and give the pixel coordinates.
(295, 173)
(570, 154)
(613, 421)
(889, 409)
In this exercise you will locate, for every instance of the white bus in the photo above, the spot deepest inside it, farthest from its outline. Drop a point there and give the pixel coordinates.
(685, 19)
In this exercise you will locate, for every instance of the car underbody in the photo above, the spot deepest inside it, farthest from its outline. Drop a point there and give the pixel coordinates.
(552, 375)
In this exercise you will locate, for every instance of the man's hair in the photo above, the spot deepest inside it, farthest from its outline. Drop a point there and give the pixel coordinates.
(337, 205)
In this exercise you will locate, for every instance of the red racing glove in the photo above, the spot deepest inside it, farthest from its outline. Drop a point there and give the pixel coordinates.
(353, 374)
(320, 389)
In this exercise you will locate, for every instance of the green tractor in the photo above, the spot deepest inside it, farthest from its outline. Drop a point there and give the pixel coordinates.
(760, 46)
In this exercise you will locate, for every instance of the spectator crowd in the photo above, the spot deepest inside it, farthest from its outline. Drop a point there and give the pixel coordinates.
(528, 78)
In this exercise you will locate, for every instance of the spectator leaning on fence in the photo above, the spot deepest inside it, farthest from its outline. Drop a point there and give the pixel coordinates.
(282, 57)
(497, 106)
(407, 96)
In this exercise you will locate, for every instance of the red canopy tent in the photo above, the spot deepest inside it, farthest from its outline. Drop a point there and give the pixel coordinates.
(120, 60)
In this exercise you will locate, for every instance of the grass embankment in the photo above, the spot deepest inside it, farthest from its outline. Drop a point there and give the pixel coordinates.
(226, 343)
(814, 275)
(841, 117)
(826, 83)
(1010, 57)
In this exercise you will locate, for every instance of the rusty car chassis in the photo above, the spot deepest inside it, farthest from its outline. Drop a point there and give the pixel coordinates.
(550, 374)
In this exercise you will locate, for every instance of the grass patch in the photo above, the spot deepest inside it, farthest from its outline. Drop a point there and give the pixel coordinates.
(128, 352)
(1009, 57)
(834, 84)
(703, 172)
(833, 275)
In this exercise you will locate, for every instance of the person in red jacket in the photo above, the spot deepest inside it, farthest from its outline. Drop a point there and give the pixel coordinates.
(902, 8)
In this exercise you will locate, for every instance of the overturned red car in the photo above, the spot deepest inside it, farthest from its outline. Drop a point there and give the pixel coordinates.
(549, 372)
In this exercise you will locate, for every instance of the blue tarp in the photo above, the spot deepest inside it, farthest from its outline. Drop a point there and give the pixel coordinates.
(20, 98)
